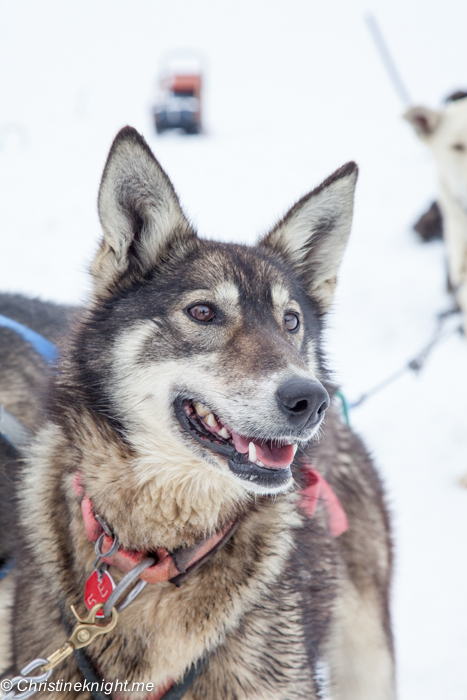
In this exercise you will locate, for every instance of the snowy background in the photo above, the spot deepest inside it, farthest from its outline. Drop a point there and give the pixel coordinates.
(294, 89)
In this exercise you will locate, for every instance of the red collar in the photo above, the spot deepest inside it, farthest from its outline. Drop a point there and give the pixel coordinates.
(170, 566)
(174, 565)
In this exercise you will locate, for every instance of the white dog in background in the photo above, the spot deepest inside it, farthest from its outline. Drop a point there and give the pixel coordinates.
(445, 132)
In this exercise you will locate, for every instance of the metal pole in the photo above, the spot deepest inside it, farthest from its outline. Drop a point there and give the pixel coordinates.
(386, 58)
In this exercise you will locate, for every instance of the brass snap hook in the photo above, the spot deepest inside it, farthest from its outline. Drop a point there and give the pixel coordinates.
(83, 634)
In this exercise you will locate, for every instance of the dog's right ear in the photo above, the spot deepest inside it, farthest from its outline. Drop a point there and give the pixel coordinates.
(425, 121)
(312, 236)
(140, 214)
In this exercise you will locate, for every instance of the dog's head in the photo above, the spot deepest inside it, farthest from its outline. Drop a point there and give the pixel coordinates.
(206, 355)
(445, 132)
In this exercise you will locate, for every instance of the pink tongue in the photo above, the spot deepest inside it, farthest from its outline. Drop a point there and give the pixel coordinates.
(268, 454)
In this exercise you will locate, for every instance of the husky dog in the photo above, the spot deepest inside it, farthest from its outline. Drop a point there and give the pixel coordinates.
(445, 132)
(188, 396)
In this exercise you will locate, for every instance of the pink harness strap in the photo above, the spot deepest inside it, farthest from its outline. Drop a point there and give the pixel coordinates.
(318, 488)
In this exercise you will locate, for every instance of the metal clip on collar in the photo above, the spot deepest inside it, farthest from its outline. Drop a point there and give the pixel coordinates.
(111, 602)
(83, 634)
(98, 547)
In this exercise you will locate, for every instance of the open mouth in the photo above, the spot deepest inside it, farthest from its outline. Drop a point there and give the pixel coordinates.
(263, 463)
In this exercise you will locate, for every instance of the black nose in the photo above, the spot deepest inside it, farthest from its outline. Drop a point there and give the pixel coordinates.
(303, 401)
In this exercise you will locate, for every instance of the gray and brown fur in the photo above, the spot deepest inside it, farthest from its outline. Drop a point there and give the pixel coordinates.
(283, 594)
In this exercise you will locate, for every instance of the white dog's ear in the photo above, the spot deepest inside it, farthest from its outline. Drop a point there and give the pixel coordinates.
(312, 236)
(425, 121)
(140, 214)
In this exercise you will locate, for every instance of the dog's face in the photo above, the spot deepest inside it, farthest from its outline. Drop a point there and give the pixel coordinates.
(445, 132)
(211, 351)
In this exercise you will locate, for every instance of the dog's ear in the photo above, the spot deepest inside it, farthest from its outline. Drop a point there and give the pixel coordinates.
(425, 121)
(312, 236)
(140, 214)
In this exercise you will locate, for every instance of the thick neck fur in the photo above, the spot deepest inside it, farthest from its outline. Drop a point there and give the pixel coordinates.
(168, 627)
(167, 510)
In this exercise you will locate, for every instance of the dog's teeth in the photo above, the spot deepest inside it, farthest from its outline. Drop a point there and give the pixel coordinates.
(211, 421)
(295, 448)
(201, 409)
(252, 456)
(224, 433)
(259, 463)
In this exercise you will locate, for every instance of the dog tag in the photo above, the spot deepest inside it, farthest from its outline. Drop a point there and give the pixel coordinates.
(97, 591)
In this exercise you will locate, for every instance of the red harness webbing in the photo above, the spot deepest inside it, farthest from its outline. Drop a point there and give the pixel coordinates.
(318, 488)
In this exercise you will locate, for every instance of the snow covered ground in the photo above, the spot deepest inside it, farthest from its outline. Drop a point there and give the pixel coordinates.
(294, 89)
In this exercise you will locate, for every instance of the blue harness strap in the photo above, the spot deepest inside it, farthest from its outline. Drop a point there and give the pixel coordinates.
(44, 347)
(11, 430)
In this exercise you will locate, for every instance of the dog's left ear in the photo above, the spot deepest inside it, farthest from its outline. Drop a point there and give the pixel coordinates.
(424, 121)
(140, 214)
(312, 236)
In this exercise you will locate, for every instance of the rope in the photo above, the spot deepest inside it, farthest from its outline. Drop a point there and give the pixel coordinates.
(345, 406)
(387, 59)
(417, 363)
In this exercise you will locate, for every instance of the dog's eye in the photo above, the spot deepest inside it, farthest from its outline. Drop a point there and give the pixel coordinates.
(458, 146)
(202, 313)
(291, 322)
